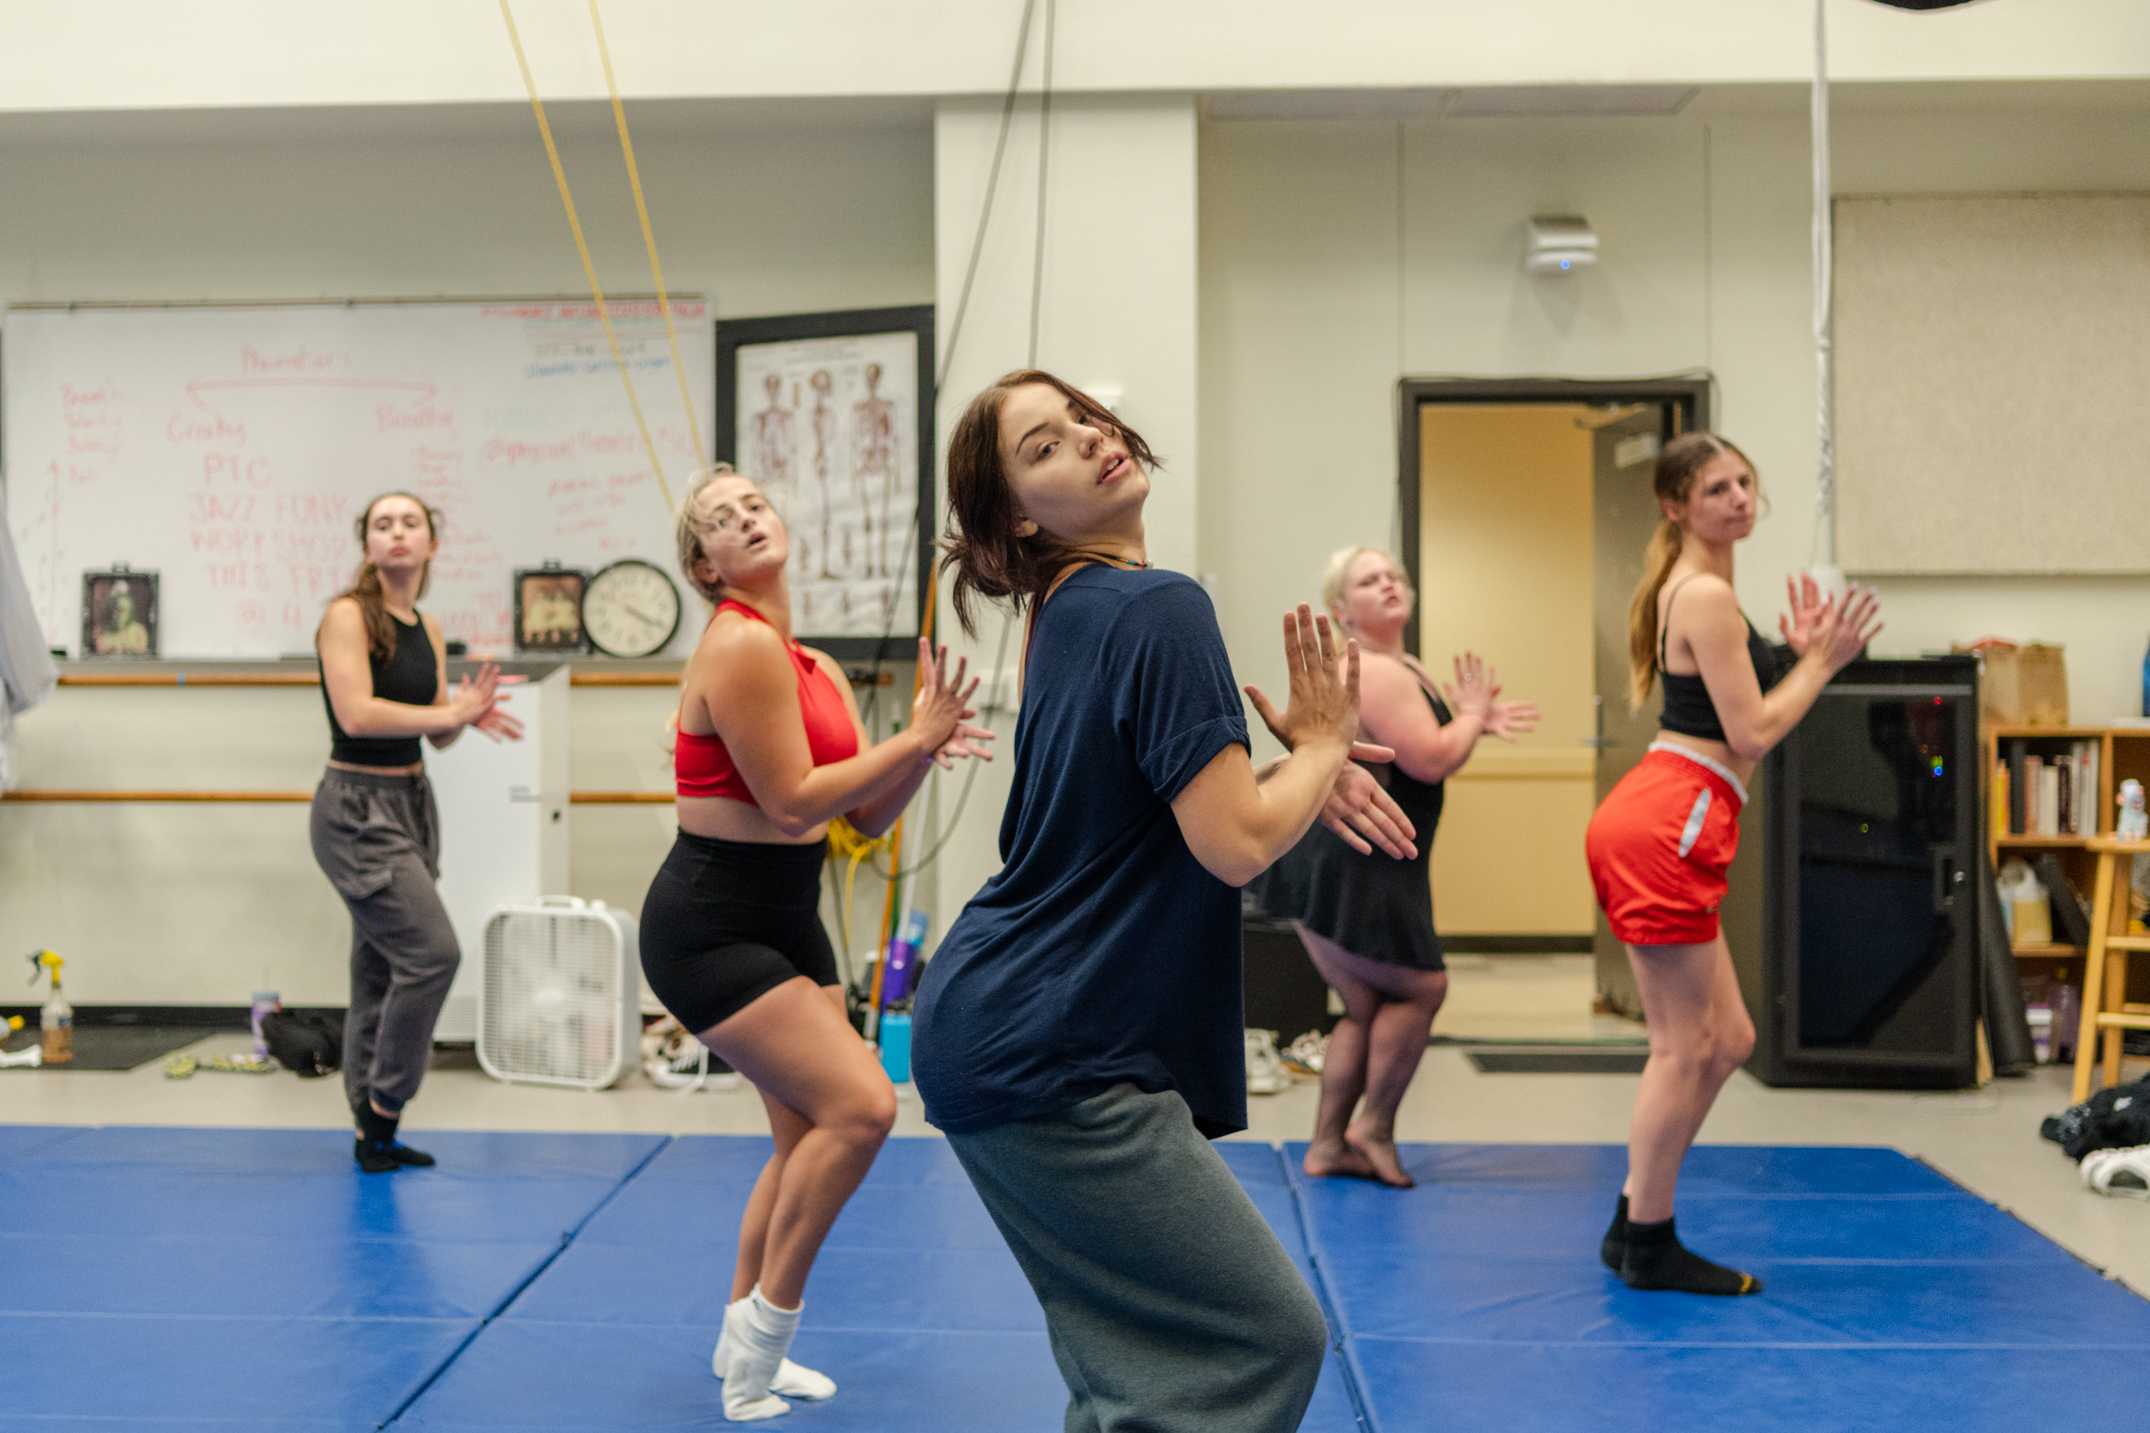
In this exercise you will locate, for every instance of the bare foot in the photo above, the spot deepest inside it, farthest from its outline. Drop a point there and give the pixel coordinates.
(1324, 1160)
(1380, 1158)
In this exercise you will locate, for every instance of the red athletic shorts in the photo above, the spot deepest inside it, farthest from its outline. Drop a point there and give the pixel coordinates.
(1660, 845)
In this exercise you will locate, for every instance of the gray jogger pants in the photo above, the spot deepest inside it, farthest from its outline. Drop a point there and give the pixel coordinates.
(1171, 1306)
(377, 838)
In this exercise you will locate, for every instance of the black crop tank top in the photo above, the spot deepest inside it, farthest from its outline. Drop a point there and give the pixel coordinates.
(409, 674)
(1688, 708)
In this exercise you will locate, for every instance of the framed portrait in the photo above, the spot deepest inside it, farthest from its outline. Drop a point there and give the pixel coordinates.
(119, 613)
(548, 609)
(832, 413)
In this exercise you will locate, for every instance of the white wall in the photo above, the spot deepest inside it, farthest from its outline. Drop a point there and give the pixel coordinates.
(220, 900)
(1117, 310)
(142, 54)
(1317, 235)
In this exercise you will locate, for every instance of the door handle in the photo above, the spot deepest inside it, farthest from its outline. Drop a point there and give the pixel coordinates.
(1596, 740)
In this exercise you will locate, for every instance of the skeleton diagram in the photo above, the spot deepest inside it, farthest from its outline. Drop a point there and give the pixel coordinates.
(823, 418)
(873, 467)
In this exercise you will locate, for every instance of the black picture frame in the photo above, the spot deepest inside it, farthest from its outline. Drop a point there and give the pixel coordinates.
(110, 632)
(736, 341)
(558, 585)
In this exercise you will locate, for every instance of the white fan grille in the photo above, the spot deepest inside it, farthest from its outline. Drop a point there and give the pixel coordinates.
(552, 1005)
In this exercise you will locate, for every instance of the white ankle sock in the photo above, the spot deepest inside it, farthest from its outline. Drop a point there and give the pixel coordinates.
(758, 1334)
(793, 1380)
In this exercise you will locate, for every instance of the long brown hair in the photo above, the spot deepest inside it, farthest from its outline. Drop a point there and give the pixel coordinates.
(990, 560)
(365, 588)
(1677, 464)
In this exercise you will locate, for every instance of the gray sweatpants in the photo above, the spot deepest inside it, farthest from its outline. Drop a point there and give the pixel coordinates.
(1171, 1306)
(377, 838)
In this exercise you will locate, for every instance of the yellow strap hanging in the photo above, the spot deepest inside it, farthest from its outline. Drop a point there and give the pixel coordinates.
(649, 238)
(848, 843)
(582, 247)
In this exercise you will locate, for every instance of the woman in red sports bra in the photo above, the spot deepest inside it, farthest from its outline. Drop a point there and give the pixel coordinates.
(1661, 843)
(770, 748)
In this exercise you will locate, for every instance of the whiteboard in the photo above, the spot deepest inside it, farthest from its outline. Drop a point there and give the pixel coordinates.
(232, 451)
(1991, 370)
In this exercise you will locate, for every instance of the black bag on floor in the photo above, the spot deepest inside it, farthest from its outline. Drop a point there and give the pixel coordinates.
(2117, 1117)
(306, 1042)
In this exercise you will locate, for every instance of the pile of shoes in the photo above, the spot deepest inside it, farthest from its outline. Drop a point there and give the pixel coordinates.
(2110, 1119)
(2118, 1171)
(1303, 1056)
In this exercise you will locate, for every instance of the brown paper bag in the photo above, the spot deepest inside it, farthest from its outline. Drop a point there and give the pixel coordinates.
(2023, 686)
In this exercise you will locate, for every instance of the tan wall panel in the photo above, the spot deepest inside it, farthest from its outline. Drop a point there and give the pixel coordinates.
(1504, 559)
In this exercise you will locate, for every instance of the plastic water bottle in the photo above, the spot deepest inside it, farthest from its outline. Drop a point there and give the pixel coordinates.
(903, 959)
(264, 1001)
(896, 1046)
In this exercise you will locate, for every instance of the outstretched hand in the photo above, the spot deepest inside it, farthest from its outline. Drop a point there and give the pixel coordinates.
(478, 699)
(1474, 689)
(942, 705)
(1324, 700)
(1803, 600)
(1361, 812)
(967, 742)
(1843, 627)
(1509, 720)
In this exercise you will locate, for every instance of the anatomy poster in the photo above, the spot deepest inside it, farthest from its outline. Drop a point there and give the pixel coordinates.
(829, 427)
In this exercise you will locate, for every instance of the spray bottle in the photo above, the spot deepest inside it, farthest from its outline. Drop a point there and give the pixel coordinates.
(56, 1021)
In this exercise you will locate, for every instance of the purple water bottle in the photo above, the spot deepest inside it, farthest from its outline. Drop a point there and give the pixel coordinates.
(264, 1002)
(903, 959)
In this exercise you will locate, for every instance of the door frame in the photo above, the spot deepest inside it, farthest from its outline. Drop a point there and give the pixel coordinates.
(1688, 397)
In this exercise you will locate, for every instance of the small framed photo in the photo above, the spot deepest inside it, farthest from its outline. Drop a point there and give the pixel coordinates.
(119, 613)
(548, 609)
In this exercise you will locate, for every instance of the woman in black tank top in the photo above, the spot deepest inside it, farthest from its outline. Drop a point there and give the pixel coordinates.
(1367, 920)
(375, 831)
(1662, 842)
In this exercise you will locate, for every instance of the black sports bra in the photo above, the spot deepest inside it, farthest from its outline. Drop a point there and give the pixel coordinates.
(1688, 708)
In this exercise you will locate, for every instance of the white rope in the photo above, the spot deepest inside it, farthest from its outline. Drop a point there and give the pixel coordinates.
(1822, 552)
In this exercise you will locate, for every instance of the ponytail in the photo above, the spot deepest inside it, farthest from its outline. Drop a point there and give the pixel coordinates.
(1657, 560)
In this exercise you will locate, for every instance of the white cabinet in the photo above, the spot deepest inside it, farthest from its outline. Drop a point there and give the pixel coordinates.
(504, 829)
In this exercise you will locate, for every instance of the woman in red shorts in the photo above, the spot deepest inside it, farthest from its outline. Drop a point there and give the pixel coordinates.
(1661, 843)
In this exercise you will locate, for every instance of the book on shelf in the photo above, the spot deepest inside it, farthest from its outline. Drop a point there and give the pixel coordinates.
(2019, 790)
(2070, 921)
(2052, 792)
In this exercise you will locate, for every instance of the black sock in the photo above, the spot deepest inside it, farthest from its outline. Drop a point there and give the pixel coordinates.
(1614, 1247)
(378, 1149)
(1656, 1259)
(376, 1137)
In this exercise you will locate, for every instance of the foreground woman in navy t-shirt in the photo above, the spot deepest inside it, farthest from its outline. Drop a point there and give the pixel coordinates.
(1079, 1033)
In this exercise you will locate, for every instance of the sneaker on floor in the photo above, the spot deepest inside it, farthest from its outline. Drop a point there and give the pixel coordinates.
(1304, 1055)
(1265, 1071)
(2124, 1172)
(672, 1059)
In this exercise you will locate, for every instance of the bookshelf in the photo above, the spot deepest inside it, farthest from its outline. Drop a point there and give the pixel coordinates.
(2120, 752)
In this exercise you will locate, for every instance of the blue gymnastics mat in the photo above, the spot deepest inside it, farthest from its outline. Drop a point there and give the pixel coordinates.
(253, 1281)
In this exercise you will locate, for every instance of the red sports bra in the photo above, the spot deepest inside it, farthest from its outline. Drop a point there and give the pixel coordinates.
(702, 766)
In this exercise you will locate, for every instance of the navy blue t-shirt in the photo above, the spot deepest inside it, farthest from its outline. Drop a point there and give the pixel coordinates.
(1102, 952)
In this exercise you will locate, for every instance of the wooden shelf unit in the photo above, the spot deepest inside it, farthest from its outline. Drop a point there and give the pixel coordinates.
(2123, 752)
